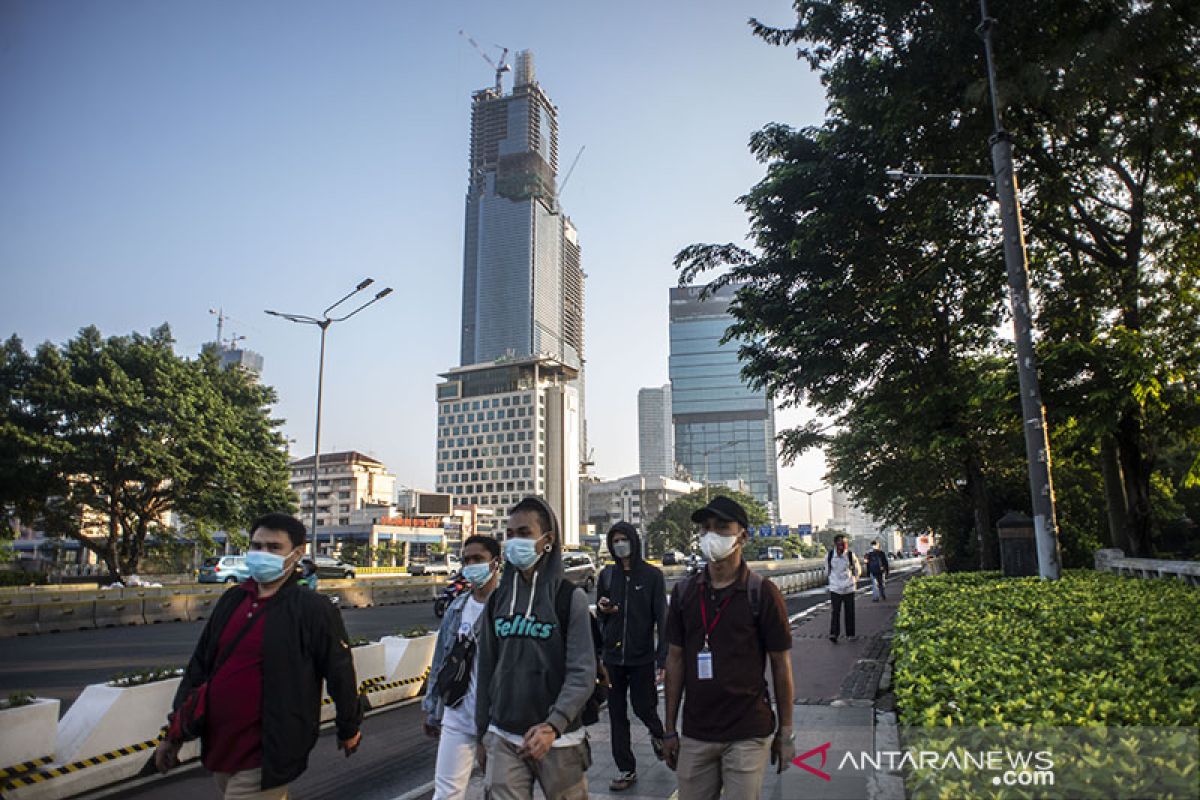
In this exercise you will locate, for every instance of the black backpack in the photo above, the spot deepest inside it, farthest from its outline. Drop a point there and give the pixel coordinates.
(562, 607)
(853, 559)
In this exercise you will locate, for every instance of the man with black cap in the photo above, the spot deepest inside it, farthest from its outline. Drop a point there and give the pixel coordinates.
(632, 601)
(722, 627)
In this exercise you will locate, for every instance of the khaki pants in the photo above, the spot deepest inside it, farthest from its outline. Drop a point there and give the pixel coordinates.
(705, 768)
(562, 773)
(245, 785)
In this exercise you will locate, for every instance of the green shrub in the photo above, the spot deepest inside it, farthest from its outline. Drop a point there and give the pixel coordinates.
(17, 699)
(1090, 649)
(414, 632)
(139, 677)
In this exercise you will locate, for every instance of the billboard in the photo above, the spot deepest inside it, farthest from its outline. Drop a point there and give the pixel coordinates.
(433, 504)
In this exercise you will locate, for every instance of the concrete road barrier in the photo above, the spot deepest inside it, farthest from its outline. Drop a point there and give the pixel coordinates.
(18, 619)
(119, 611)
(164, 608)
(66, 616)
(388, 595)
(354, 596)
(200, 606)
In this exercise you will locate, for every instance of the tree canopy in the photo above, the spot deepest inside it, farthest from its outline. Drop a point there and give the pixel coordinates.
(106, 441)
(673, 528)
(880, 303)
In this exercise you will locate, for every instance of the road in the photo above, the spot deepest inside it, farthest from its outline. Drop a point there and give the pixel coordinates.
(396, 759)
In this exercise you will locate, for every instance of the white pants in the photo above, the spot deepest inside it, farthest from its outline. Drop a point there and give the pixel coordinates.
(455, 757)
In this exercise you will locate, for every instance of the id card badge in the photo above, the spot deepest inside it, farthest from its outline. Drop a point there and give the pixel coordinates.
(704, 665)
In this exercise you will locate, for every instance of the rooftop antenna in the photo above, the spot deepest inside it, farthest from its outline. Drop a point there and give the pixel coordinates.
(500, 68)
(220, 325)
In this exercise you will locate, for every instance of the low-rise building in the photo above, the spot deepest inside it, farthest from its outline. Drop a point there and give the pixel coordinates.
(636, 499)
(349, 481)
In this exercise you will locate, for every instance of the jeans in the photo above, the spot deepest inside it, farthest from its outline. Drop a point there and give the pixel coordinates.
(638, 682)
(455, 757)
(877, 590)
(705, 768)
(841, 601)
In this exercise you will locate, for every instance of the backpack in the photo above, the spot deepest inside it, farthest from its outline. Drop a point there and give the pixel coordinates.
(562, 608)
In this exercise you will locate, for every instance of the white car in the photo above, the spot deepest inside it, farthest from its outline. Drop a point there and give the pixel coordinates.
(447, 564)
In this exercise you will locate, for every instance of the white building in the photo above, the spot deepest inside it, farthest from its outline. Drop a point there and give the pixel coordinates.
(656, 432)
(509, 429)
(860, 526)
(636, 499)
(349, 481)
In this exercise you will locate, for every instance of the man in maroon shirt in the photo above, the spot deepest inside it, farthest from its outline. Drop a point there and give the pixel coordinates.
(271, 643)
(723, 626)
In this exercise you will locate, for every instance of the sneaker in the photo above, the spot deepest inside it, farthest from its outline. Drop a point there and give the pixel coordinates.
(657, 744)
(623, 781)
(833, 639)
(851, 638)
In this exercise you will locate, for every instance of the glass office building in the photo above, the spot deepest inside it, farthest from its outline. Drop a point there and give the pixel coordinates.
(724, 430)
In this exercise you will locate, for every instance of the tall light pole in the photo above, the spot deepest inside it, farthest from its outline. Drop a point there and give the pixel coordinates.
(708, 453)
(323, 323)
(810, 493)
(1033, 412)
(1037, 440)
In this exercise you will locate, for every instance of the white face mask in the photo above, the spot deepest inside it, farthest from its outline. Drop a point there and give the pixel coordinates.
(717, 547)
(622, 549)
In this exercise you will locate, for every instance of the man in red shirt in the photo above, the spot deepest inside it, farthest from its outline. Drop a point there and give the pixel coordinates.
(724, 626)
(264, 652)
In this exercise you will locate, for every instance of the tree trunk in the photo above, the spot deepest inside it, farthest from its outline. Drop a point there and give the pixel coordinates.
(1136, 469)
(981, 512)
(1115, 501)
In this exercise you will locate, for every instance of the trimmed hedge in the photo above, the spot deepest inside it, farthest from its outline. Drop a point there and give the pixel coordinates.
(1088, 650)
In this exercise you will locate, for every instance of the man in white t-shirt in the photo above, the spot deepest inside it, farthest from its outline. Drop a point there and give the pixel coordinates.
(844, 570)
(450, 699)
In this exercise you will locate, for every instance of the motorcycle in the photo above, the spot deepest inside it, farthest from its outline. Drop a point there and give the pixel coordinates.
(456, 586)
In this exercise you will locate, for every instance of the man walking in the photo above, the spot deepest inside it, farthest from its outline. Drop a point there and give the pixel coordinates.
(257, 732)
(452, 688)
(537, 667)
(724, 625)
(632, 601)
(844, 570)
(878, 569)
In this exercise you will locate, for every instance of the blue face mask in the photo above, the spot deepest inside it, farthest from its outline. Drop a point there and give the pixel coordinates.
(521, 553)
(477, 574)
(265, 567)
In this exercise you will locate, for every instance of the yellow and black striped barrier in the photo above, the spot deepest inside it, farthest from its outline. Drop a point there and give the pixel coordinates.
(40, 775)
(28, 766)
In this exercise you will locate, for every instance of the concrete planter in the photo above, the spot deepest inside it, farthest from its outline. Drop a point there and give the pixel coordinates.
(369, 661)
(106, 718)
(28, 732)
(407, 658)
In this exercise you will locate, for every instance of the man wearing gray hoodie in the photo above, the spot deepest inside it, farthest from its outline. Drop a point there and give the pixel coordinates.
(536, 670)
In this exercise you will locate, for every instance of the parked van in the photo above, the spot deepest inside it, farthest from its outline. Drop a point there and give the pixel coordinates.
(224, 569)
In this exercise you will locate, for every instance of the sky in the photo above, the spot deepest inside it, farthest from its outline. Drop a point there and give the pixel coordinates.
(161, 159)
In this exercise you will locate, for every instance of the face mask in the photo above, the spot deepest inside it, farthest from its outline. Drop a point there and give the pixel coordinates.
(477, 574)
(622, 549)
(265, 567)
(522, 553)
(717, 547)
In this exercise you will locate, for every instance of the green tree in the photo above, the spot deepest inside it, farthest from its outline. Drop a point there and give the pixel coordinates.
(111, 436)
(673, 528)
(859, 286)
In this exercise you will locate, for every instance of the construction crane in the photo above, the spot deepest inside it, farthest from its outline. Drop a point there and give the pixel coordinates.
(500, 68)
(570, 170)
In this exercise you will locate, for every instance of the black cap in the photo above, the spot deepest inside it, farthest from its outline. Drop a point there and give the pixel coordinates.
(722, 507)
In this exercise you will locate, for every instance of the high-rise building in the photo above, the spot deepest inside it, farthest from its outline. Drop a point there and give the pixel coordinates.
(724, 429)
(522, 274)
(510, 417)
(656, 433)
(510, 429)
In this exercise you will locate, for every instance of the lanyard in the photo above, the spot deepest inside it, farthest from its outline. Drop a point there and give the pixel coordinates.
(708, 629)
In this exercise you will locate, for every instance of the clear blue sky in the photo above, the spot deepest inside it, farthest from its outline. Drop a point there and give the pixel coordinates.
(158, 159)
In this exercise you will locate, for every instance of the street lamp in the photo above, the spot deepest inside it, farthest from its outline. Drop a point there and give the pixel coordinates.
(1033, 412)
(323, 323)
(708, 453)
(810, 493)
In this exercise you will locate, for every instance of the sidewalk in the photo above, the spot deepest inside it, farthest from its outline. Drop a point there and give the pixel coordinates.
(835, 685)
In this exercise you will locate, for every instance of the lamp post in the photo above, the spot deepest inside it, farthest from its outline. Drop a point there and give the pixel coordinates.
(323, 323)
(810, 493)
(708, 453)
(1033, 412)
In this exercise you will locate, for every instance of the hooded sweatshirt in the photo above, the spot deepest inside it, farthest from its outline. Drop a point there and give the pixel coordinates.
(641, 597)
(528, 674)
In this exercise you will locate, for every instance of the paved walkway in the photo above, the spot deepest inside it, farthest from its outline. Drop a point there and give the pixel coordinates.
(836, 687)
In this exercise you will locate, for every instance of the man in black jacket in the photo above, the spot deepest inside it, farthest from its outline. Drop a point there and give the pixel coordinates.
(632, 601)
(264, 653)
